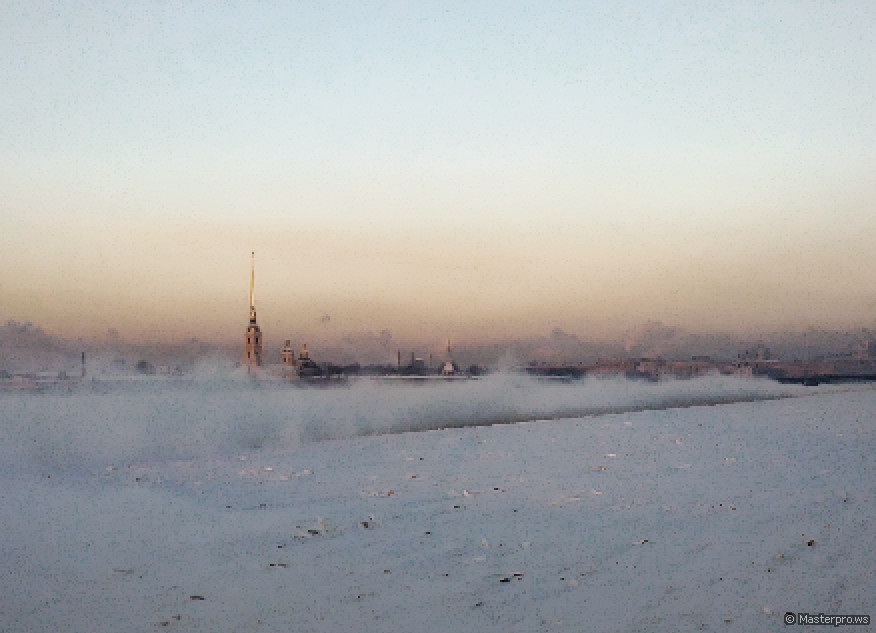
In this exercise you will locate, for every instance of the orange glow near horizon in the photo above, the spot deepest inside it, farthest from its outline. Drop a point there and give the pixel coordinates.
(434, 283)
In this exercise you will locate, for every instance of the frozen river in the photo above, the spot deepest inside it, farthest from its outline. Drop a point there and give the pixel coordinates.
(222, 507)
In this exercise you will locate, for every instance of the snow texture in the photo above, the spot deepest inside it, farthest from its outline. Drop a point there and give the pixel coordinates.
(217, 505)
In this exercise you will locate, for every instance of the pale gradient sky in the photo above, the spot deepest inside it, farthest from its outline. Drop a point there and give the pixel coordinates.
(462, 169)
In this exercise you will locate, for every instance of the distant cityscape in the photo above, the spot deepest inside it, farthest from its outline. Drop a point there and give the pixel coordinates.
(648, 355)
(758, 361)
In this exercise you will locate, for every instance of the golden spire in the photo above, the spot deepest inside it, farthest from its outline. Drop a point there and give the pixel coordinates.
(252, 310)
(252, 348)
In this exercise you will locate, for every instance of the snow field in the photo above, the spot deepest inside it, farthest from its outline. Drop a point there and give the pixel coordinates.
(225, 511)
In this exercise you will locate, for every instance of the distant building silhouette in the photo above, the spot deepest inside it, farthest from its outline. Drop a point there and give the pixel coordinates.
(450, 368)
(287, 355)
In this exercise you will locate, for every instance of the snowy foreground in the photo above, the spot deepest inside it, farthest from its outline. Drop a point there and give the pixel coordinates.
(217, 506)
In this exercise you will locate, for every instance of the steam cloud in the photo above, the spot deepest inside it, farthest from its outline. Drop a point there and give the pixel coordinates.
(221, 413)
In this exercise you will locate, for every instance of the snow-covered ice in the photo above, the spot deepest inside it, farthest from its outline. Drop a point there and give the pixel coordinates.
(605, 505)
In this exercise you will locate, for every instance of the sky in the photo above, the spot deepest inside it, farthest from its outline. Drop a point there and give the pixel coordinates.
(456, 169)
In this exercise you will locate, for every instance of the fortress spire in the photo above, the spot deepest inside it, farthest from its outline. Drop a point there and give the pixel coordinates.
(252, 347)
(252, 310)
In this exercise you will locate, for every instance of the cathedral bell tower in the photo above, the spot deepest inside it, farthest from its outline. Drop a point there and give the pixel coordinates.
(252, 347)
